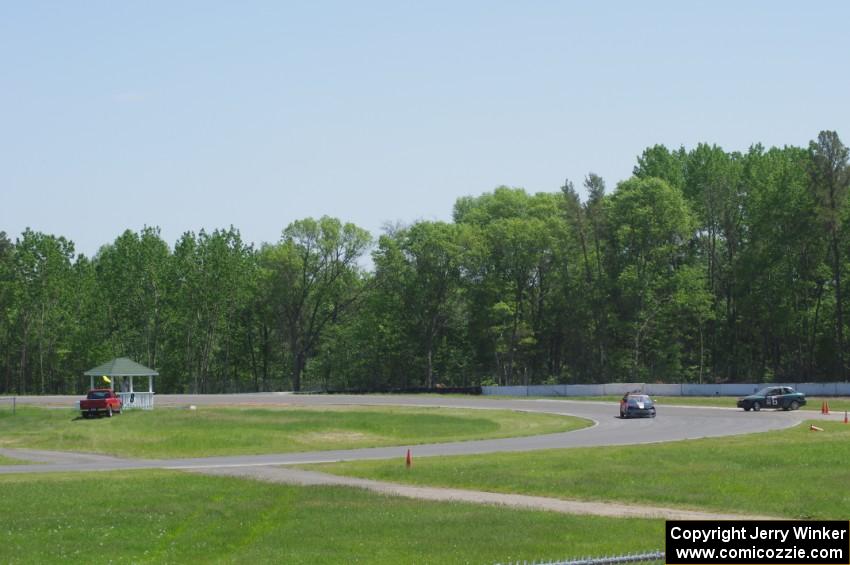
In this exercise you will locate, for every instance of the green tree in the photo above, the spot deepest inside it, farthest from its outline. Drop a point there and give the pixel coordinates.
(510, 276)
(830, 180)
(42, 268)
(582, 304)
(131, 276)
(778, 287)
(651, 225)
(209, 277)
(659, 162)
(423, 265)
(7, 250)
(314, 278)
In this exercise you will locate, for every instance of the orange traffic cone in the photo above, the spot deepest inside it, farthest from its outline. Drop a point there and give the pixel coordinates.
(845, 416)
(826, 406)
(408, 461)
(814, 428)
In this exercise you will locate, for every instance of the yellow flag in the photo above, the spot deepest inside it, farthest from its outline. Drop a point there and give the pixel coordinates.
(106, 380)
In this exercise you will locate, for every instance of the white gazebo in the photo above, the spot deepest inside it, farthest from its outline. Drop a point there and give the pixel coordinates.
(119, 371)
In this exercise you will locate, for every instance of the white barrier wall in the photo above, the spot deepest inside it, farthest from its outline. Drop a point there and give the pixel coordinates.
(681, 389)
(585, 390)
(664, 389)
(823, 389)
(619, 389)
(739, 389)
(506, 390)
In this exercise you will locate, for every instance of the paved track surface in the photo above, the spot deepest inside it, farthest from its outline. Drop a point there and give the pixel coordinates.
(673, 423)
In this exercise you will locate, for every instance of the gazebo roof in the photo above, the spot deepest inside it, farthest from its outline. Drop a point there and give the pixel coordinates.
(121, 367)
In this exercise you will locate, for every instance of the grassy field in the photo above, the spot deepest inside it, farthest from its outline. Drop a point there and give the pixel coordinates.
(171, 517)
(10, 461)
(794, 473)
(837, 404)
(164, 433)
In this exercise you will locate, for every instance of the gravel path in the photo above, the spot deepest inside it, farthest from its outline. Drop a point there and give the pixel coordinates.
(51, 461)
(611, 509)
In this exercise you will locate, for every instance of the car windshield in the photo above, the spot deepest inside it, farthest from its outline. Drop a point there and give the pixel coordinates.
(98, 395)
(643, 399)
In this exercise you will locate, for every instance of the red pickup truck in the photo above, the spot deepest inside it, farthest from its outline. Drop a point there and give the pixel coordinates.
(100, 401)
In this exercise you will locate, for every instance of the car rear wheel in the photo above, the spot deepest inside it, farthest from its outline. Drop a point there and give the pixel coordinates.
(746, 408)
(794, 405)
(756, 406)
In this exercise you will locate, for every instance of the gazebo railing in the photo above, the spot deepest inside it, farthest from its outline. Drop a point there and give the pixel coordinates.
(139, 400)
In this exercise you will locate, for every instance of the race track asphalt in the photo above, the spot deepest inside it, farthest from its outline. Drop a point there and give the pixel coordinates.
(672, 424)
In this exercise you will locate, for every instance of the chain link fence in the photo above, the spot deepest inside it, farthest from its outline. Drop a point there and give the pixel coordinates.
(648, 558)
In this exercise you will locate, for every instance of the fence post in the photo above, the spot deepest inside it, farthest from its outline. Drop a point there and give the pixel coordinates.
(13, 405)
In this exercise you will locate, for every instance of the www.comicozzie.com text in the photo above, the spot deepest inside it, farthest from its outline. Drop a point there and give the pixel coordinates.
(703, 554)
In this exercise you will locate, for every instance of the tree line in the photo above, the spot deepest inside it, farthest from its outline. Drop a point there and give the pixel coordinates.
(704, 266)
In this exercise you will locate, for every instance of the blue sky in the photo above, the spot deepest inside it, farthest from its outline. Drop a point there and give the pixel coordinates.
(190, 115)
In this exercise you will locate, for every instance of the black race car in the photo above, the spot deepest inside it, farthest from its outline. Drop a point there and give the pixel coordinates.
(634, 405)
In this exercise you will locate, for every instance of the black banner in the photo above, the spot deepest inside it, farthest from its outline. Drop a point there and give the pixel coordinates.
(756, 542)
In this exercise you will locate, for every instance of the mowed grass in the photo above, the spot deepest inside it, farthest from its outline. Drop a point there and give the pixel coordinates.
(10, 461)
(172, 432)
(793, 473)
(171, 517)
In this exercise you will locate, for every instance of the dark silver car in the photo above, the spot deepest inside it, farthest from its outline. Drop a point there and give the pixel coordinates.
(779, 397)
